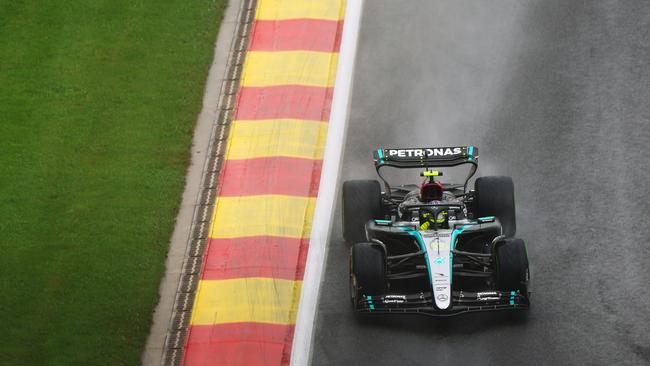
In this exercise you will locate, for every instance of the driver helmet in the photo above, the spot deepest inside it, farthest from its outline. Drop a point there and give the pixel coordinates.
(431, 191)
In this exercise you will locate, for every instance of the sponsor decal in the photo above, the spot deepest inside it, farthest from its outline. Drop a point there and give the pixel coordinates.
(487, 296)
(442, 297)
(433, 234)
(394, 299)
(425, 153)
(439, 260)
(487, 293)
(441, 288)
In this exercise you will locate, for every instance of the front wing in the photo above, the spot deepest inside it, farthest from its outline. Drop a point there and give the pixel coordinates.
(461, 302)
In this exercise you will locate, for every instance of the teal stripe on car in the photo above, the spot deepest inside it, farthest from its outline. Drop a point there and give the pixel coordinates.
(370, 304)
(487, 218)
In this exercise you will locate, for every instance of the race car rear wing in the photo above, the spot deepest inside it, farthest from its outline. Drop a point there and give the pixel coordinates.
(426, 157)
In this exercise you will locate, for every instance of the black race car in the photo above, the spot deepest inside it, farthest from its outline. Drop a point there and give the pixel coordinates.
(436, 248)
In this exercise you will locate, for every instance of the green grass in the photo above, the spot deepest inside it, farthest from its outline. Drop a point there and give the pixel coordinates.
(98, 100)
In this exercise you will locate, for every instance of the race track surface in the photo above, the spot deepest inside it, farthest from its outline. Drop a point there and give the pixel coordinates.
(555, 94)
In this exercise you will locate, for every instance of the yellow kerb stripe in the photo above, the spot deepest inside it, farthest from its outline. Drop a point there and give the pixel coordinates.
(265, 215)
(300, 9)
(289, 68)
(262, 300)
(277, 137)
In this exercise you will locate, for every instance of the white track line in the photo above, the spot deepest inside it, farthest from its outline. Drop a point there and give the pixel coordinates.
(327, 191)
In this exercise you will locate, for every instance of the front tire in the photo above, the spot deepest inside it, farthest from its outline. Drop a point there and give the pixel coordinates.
(495, 196)
(367, 270)
(512, 269)
(361, 202)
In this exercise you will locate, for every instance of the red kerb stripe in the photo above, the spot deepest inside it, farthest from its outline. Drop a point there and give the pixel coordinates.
(287, 101)
(256, 256)
(296, 35)
(250, 344)
(271, 175)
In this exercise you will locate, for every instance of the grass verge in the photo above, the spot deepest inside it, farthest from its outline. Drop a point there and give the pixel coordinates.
(98, 101)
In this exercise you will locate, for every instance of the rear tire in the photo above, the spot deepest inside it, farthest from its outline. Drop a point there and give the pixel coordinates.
(495, 196)
(361, 202)
(512, 265)
(367, 270)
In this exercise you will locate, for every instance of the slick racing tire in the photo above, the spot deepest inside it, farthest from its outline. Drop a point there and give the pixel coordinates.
(495, 196)
(367, 270)
(512, 265)
(361, 202)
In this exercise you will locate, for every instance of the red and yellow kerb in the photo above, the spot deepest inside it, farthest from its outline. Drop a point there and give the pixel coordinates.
(246, 303)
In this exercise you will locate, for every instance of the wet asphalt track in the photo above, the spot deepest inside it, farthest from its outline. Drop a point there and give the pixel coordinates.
(555, 94)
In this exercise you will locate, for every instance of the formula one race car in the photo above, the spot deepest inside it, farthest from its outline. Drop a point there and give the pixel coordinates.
(436, 248)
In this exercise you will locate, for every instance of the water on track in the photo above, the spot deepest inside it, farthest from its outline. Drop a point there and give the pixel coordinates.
(555, 94)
